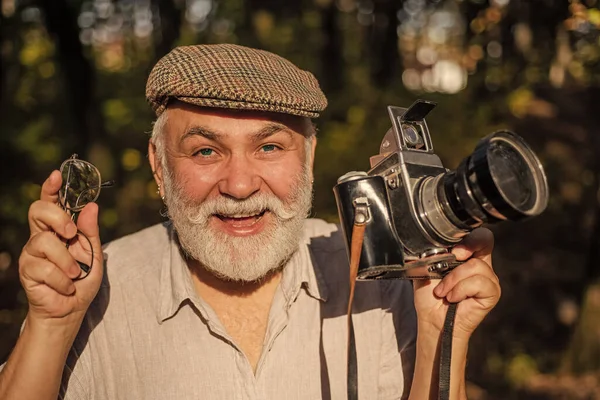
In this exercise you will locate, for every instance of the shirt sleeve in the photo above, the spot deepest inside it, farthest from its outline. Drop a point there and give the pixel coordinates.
(399, 330)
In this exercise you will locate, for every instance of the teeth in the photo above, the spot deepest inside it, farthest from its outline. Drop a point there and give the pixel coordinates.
(240, 215)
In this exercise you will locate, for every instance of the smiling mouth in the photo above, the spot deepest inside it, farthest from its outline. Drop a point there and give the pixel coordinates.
(241, 220)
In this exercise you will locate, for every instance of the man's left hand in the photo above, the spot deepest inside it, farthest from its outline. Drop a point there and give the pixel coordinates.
(474, 284)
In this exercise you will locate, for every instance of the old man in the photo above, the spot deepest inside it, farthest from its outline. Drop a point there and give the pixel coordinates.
(240, 295)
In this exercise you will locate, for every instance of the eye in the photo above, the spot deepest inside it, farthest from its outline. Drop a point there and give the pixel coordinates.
(268, 148)
(205, 152)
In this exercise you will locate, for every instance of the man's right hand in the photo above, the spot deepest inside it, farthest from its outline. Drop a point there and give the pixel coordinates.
(57, 302)
(47, 269)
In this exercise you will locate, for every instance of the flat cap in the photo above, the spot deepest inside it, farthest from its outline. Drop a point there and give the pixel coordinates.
(236, 77)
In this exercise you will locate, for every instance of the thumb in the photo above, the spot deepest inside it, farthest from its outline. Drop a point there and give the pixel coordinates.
(478, 244)
(87, 223)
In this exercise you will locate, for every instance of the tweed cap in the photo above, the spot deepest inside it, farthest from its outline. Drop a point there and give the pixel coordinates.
(236, 77)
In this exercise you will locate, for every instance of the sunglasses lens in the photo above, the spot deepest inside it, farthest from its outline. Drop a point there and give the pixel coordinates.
(81, 184)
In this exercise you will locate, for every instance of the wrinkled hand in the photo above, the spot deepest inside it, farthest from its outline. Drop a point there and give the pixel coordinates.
(47, 269)
(474, 284)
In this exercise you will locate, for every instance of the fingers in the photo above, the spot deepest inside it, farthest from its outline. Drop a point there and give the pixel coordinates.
(473, 270)
(45, 245)
(45, 216)
(47, 273)
(46, 260)
(478, 244)
(50, 187)
(48, 269)
(479, 287)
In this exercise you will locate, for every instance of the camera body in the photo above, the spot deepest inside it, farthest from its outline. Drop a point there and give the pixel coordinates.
(415, 210)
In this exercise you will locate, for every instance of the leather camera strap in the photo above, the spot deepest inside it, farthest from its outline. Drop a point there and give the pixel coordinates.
(358, 233)
(446, 353)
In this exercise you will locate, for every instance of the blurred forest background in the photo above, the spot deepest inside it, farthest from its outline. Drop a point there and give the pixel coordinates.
(72, 78)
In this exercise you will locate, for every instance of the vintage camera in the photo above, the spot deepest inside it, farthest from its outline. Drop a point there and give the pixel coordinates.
(415, 210)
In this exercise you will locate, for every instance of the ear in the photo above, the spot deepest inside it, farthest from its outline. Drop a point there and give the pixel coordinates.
(157, 168)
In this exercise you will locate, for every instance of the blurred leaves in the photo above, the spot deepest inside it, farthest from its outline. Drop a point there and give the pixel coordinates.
(520, 369)
(117, 115)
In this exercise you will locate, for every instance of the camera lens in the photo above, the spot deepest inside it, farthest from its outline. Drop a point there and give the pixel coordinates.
(501, 180)
(514, 179)
(506, 178)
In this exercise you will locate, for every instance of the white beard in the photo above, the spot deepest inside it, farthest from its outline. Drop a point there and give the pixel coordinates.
(235, 258)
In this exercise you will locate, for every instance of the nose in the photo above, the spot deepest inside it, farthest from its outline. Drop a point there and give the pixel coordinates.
(240, 180)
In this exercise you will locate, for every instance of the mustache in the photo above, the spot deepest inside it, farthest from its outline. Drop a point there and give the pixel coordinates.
(254, 205)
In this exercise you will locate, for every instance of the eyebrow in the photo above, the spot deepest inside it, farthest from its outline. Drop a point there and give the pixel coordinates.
(200, 131)
(269, 130)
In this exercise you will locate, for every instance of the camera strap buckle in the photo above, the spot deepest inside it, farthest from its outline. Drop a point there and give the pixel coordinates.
(362, 214)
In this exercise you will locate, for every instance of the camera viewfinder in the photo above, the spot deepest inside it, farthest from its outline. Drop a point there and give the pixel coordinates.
(413, 135)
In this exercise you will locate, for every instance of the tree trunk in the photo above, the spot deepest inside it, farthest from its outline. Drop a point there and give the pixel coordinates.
(170, 24)
(78, 75)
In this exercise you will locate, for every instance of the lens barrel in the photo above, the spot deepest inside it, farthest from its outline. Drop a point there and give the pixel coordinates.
(501, 180)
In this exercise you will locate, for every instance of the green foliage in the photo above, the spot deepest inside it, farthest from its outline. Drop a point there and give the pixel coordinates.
(520, 369)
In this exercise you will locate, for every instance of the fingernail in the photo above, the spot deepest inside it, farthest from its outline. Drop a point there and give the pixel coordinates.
(71, 289)
(439, 289)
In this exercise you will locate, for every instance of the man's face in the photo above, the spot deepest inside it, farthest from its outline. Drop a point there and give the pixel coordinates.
(237, 186)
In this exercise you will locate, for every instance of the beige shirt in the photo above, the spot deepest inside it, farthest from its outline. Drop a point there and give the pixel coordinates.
(148, 335)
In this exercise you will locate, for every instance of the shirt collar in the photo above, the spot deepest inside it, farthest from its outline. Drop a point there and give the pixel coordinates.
(175, 280)
(301, 271)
